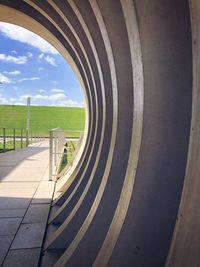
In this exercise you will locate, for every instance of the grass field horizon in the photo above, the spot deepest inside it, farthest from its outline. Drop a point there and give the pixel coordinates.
(42, 118)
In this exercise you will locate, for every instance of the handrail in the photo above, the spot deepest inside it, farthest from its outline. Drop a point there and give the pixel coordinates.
(57, 149)
(70, 164)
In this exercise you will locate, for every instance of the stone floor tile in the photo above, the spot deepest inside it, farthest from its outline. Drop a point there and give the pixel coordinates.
(46, 186)
(16, 213)
(4, 172)
(5, 242)
(37, 213)
(29, 163)
(22, 258)
(45, 176)
(19, 192)
(42, 197)
(29, 236)
(23, 174)
(9, 226)
(14, 203)
(4, 185)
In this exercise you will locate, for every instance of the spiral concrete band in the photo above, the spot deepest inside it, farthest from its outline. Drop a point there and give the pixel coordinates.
(132, 198)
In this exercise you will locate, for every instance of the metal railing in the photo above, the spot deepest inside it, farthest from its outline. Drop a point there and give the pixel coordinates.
(71, 151)
(11, 139)
(60, 144)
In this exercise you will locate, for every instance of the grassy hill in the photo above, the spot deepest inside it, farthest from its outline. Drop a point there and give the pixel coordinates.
(42, 118)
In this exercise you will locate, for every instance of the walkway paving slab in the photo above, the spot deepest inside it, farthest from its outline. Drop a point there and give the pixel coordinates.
(17, 192)
(15, 185)
(16, 213)
(37, 213)
(30, 235)
(9, 226)
(22, 258)
(22, 174)
(42, 197)
(5, 242)
(14, 203)
(46, 186)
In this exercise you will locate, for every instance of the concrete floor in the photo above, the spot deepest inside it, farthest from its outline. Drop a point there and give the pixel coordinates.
(25, 198)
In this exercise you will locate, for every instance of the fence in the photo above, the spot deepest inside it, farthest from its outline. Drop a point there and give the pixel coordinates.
(11, 139)
(61, 146)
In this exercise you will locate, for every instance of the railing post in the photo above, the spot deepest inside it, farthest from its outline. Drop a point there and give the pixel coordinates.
(21, 136)
(55, 149)
(4, 139)
(14, 139)
(50, 155)
(27, 137)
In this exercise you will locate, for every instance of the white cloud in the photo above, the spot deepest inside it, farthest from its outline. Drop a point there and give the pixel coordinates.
(13, 99)
(70, 103)
(29, 54)
(42, 91)
(59, 99)
(29, 79)
(4, 79)
(13, 59)
(54, 82)
(40, 69)
(15, 72)
(41, 56)
(22, 35)
(52, 98)
(14, 52)
(24, 97)
(57, 90)
(50, 60)
(3, 100)
(19, 104)
(40, 97)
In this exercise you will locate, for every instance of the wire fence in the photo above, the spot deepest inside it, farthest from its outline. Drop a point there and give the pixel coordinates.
(11, 139)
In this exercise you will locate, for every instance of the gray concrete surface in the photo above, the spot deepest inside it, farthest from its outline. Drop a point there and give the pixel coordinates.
(25, 197)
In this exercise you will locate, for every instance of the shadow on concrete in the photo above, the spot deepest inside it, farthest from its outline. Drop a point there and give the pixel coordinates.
(22, 227)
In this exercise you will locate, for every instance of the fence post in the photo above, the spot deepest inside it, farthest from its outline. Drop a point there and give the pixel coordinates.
(27, 137)
(14, 139)
(30, 136)
(50, 155)
(21, 133)
(4, 139)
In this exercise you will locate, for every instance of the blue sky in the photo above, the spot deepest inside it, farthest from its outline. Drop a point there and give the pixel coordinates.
(29, 66)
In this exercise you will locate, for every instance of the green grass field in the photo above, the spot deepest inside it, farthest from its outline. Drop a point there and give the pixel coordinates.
(42, 119)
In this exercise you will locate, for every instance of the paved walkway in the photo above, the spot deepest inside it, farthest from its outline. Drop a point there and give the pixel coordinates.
(25, 197)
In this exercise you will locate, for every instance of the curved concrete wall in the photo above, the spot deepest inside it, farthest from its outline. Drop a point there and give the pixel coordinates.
(134, 60)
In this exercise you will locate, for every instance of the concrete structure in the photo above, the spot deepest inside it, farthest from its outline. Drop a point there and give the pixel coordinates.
(132, 199)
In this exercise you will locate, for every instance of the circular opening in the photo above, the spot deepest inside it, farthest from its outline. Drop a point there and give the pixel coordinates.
(33, 70)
